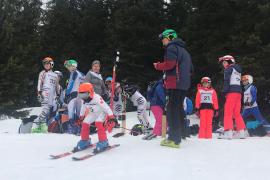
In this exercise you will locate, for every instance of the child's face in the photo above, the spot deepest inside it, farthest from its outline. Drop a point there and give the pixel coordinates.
(47, 65)
(71, 68)
(225, 64)
(206, 84)
(245, 82)
(109, 84)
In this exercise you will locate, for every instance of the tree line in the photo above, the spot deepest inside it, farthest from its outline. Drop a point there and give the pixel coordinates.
(86, 30)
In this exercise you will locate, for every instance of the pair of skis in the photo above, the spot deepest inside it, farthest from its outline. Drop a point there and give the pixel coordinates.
(87, 156)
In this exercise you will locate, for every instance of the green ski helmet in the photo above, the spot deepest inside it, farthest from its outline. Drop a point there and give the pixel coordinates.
(70, 62)
(168, 33)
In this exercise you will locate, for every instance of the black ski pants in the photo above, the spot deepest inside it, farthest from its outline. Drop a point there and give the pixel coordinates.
(176, 115)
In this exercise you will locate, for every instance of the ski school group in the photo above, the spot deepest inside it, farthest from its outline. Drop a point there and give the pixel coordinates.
(88, 104)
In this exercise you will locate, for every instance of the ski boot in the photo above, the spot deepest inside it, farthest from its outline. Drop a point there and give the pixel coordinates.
(82, 144)
(242, 134)
(169, 143)
(149, 136)
(39, 128)
(101, 146)
(147, 130)
(226, 135)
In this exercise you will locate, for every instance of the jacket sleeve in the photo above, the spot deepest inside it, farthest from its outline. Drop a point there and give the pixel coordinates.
(40, 81)
(253, 92)
(103, 89)
(170, 59)
(57, 87)
(88, 77)
(198, 100)
(227, 78)
(71, 82)
(215, 100)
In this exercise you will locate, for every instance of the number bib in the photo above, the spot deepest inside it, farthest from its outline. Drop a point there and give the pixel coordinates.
(206, 96)
(235, 78)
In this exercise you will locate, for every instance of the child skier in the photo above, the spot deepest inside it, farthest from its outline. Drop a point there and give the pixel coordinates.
(48, 91)
(232, 91)
(250, 101)
(94, 109)
(138, 100)
(74, 103)
(156, 96)
(207, 105)
(108, 85)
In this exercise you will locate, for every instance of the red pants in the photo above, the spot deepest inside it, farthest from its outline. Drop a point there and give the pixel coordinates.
(232, 110)
(206, 117)
(157, 111)
(101, 131)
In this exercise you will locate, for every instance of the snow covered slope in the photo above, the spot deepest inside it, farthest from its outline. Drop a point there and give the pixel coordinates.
(26, 157)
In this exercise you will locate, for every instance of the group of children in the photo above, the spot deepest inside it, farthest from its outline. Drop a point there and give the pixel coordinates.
(207, 102)
(207, 106)
(87, 108)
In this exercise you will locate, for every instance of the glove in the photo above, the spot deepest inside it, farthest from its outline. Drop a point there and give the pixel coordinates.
(197, 113)
(116, 98)
(57, 99)
(247, 104)
(40, 97)
(105, 97)
(216, 114)
(109, 123)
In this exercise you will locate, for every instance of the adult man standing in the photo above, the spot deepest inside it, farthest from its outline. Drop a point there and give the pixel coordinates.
(178, 68)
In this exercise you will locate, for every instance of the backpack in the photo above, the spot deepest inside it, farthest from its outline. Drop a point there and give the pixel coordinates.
(151, 89)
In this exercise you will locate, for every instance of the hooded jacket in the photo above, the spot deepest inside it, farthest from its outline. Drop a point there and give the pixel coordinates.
(177, 66)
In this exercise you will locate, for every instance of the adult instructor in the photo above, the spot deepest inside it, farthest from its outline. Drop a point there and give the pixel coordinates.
(177, 67)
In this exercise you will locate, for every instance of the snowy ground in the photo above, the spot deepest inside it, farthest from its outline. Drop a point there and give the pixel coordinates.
(26, 157)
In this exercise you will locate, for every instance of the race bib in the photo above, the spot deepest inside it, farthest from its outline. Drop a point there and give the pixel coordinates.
(235, 78)
(206, 97)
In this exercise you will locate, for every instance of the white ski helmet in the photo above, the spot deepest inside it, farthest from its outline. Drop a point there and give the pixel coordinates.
(248, 78)
(228, 58)
(206, 79)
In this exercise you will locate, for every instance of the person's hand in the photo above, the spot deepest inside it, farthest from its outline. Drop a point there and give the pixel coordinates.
(197, 113)
(155, 65)
(216, 113)
(109, 123)
(40, 96)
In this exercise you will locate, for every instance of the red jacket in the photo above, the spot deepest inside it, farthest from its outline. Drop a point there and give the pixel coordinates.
(206, 98)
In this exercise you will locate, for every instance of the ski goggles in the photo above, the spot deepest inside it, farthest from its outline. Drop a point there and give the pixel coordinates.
(84, 95)
(48, 62)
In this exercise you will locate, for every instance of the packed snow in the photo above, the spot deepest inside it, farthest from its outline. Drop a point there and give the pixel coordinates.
(26, 157)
